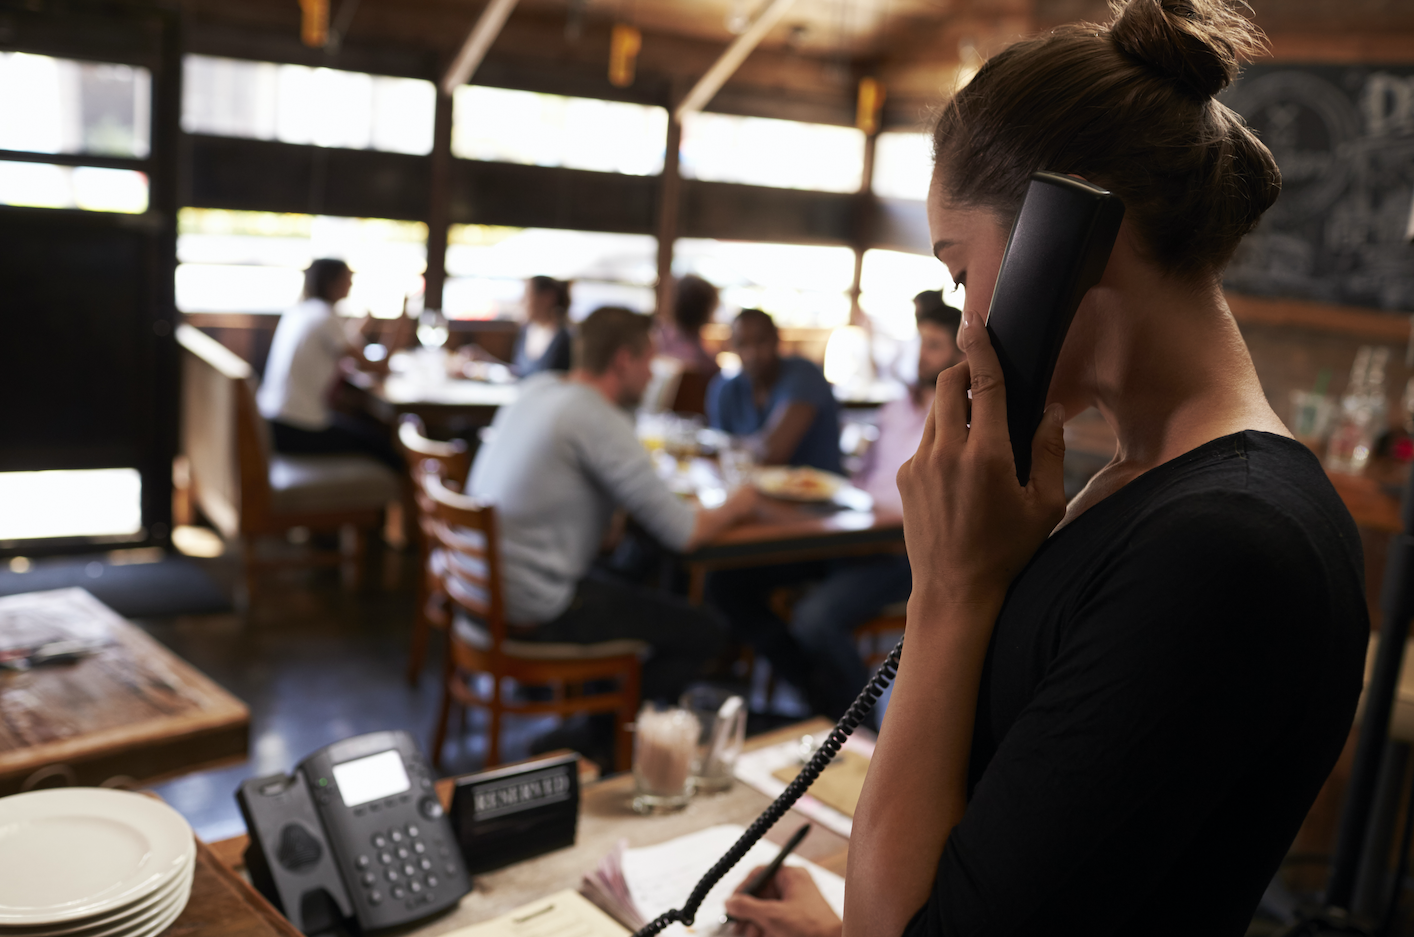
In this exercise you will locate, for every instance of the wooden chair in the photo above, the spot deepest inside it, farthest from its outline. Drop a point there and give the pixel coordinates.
(469, 572)
(878, 635)
(248, 491)
(451, 461)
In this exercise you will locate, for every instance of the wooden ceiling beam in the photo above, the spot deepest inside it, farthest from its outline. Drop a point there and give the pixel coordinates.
(478, 43)
(711, 82)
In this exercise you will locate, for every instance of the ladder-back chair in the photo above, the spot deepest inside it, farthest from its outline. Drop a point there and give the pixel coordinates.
(451, 461)
(481, 641)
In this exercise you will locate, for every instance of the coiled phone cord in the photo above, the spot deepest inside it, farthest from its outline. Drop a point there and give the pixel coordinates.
(822, 758)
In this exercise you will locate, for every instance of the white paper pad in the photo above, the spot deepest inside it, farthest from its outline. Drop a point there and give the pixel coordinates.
(661, 877)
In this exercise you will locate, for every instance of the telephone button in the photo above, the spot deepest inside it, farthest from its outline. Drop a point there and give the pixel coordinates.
(399, 892)
(396, 836)
(451, 868)
(416, 887)
(431, 881)
(374, 807)
(413, 831)
(385, 858)
(393, 875)
(375, 897)
(430, 808)
(409, 870)
(369, 878)
(402, 852)
(378, 841)
(426, 864)
(419, 848)
(403, 799)
(363, 862)
(360, 812)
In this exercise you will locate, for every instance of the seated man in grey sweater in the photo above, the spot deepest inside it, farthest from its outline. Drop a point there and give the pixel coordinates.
(558, 463)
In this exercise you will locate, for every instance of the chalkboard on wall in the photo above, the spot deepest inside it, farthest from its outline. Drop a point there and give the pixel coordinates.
(1344, 139)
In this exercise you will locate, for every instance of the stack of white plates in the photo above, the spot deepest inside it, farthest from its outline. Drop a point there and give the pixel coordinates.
(89, 862)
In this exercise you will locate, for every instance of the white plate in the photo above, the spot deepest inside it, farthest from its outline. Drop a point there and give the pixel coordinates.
(81, 852)
(119, 922)
(799, 484)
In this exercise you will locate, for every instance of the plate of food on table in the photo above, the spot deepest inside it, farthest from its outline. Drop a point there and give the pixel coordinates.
(800, 483)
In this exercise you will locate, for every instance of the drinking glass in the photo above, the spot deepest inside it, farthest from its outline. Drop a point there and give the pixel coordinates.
(664, 745)
(722, 716)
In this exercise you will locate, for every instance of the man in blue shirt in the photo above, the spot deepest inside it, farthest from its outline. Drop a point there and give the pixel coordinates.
(783, 407)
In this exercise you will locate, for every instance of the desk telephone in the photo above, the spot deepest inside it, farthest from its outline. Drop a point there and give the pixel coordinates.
(356, 832)
(1059, 246)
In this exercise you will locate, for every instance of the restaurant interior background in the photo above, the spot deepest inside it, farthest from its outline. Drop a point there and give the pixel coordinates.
(178, 164)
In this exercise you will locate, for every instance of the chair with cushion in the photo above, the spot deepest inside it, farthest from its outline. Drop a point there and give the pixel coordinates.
(451, 461)
(482, 648)
(247, 490)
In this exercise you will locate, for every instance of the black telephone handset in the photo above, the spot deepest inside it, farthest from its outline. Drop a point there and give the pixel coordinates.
(1059, 246)
(355, 833)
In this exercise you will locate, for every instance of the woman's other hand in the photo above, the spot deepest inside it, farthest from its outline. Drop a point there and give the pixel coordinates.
(969, 526)
(790, 906)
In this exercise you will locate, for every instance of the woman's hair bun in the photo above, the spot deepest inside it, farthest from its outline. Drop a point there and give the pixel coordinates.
(1198, 43)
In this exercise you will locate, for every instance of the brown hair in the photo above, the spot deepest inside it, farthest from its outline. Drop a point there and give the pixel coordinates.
(604, 332)
(1128, 106)
(694, 301)
(929, 306)
(559, 289)
(321, 275)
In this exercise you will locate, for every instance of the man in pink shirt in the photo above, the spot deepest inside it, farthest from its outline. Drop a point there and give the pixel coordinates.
(856, 590)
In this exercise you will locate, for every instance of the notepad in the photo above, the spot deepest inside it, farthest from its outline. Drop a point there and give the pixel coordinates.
(637, 885)
(563, 914)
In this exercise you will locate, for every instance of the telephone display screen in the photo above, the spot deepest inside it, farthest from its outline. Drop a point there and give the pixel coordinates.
(365, 779)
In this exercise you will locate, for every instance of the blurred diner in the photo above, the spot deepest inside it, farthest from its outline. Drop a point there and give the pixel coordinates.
(780, 406)
(311, 343)
(680, 335)
(558, 463)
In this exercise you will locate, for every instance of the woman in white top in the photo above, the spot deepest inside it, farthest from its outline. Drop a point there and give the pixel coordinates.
(310, 342)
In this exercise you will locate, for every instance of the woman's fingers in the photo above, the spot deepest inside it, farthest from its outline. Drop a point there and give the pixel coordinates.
(1048, 457)
(988, 387)
(950, 406)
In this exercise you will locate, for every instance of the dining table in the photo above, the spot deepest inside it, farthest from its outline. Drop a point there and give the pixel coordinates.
(450, 407)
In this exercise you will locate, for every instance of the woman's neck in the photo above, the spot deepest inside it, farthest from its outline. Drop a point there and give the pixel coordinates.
(1168, 371)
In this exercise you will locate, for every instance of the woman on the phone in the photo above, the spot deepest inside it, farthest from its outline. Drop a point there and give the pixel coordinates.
(1111, 716)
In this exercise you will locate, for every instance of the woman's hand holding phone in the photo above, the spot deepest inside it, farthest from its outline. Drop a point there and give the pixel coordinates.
(968, 525)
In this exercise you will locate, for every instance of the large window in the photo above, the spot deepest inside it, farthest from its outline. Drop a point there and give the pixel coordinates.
(888, 282)
(298, 104)
(903, 165)
(50, 105)
(785, 154)
(499, 125)
(487, 268)
(233, 261)
(82, 503)
(800, 285)
(44, 185)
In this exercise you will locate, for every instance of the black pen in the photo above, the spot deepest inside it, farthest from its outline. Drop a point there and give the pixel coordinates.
(756, 885)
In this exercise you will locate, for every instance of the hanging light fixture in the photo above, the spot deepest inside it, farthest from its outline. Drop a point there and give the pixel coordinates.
(869, 105)
(314, 23)
(624, 45)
